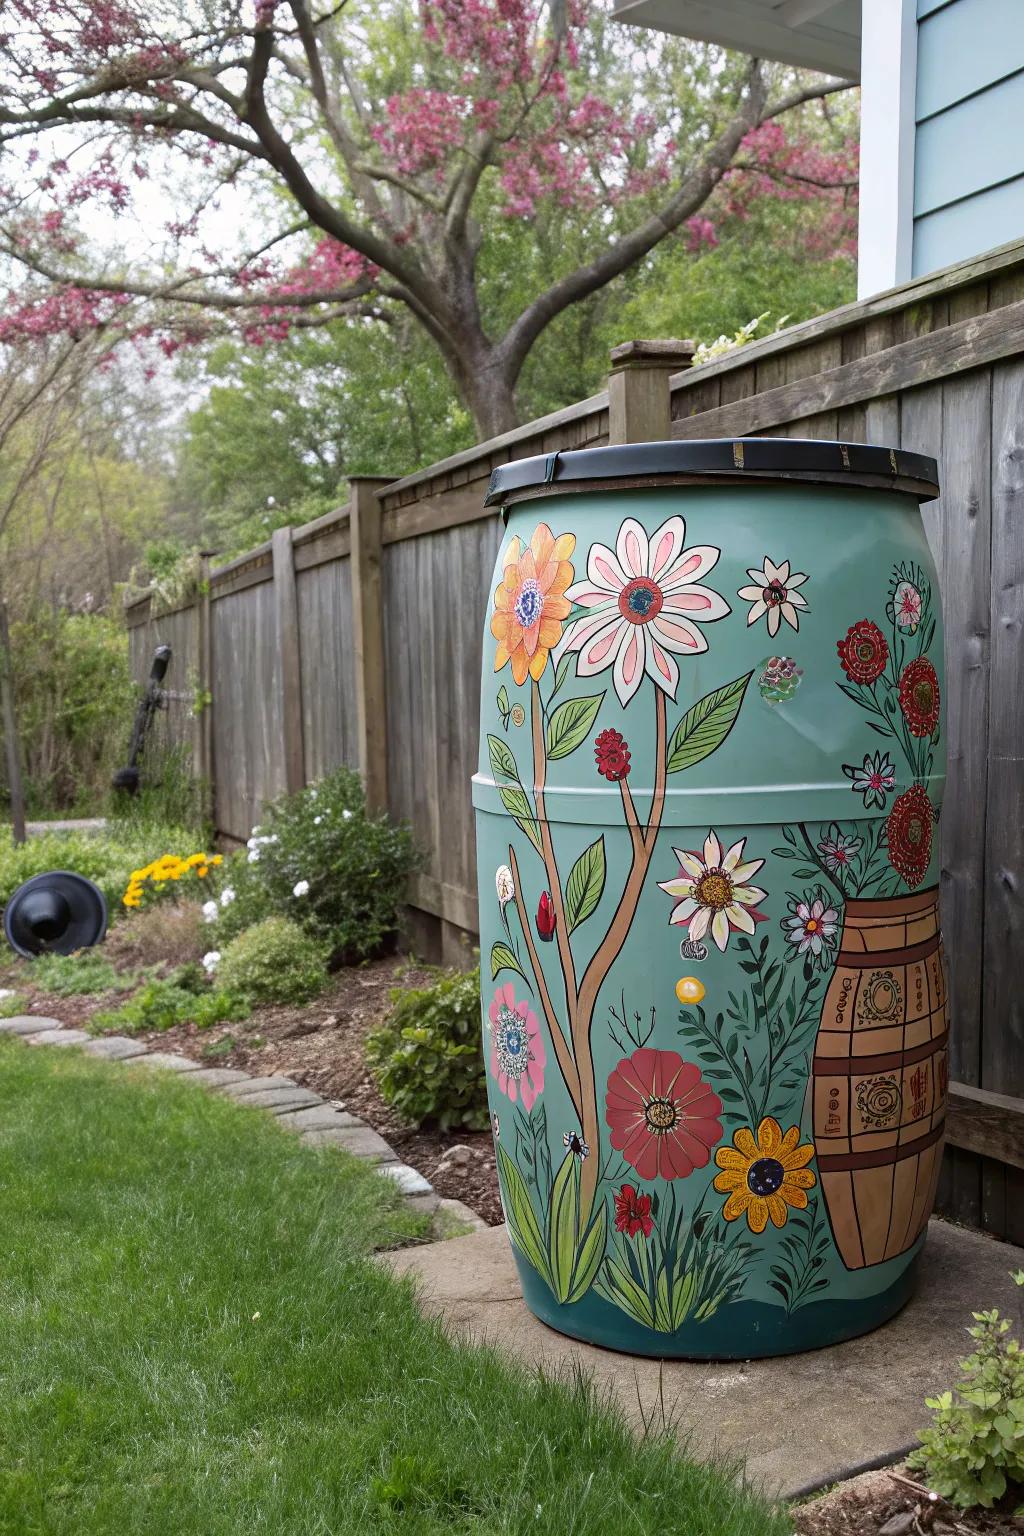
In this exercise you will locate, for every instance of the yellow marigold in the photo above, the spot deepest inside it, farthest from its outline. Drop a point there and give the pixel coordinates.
(218, 858)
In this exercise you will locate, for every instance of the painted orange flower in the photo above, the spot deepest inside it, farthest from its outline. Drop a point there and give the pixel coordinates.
(530, 604)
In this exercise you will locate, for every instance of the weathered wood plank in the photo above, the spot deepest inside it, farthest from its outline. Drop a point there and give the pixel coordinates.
(968, 345)
(286, 617)
(990, 1124)
(1002, 1053)
(368, 640)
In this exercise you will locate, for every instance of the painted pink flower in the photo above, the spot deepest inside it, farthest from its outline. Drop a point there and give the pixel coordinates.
(518, 1058)
(662, 1114)
(645, 605)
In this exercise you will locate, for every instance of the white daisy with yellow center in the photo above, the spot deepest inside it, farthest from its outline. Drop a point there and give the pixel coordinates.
(713, 892)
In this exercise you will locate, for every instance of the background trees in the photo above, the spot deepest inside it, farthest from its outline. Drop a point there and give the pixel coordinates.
(397, 152)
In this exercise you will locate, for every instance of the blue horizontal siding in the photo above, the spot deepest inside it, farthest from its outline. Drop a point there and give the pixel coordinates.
(966, 229)
(964, 47)
(975, 145)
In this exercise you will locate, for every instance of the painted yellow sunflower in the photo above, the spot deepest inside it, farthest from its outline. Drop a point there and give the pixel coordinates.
(764, 1177)
(530, 604)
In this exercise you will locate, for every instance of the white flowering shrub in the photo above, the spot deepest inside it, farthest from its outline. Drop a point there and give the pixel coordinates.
(322, 860)
(709, 350)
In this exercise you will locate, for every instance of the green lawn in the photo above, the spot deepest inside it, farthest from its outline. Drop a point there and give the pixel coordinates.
(194, 1340)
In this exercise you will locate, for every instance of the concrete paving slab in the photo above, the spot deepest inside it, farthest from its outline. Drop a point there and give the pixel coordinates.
(280, 1101)
(257, 1085)
(168, 1062)
(797, 1420)
(320, 1117)
(58, 1037)
(359, 1140)
(218, 1077)
(27, 1024)
(115, 1048)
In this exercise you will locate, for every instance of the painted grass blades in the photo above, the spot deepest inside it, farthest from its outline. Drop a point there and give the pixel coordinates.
(574, 1258)
(523, 1226)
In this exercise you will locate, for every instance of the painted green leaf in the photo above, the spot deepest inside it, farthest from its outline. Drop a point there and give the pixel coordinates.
(563, 1223)
(503, 764)
(589, 1255)
(523, 1226)
(571, 724)
(619, 1286)
(513, 798)
(585, 885)
(706, 724)
(562, 670)
(503, 704)
(503, 959)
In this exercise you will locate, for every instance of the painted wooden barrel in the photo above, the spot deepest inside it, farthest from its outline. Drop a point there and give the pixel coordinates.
(880, 1076)
(714, 1009)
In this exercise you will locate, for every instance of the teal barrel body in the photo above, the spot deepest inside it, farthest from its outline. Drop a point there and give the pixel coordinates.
(711, 762)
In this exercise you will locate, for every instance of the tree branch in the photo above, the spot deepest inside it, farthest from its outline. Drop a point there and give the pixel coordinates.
(690, 196)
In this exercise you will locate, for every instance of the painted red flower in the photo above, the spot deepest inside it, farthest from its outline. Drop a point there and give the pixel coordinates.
(662, 1114)
(908, 833)
(919, 696)
(864, 652)
(612, 754)
(633, 1212)
(546, 917)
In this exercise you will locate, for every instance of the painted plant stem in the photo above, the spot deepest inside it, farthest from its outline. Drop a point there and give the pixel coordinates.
(540, 770)
(566, 1064)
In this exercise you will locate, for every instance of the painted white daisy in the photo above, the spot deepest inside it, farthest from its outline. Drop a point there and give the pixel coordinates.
(810, 926)
(644, 605)
(774, 593)
(712, 891)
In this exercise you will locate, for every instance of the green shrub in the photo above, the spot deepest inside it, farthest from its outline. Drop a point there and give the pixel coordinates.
(11, 1006)
(162, 1003)
(106, 860)
(83, 974)
(355, 865)
(975, 1445)
(274, 961)
(428, 1056)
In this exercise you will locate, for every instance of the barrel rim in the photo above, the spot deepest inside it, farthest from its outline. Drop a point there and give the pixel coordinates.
(737, 460)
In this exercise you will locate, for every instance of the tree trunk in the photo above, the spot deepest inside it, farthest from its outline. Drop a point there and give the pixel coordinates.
(491, 401)
(10, 730)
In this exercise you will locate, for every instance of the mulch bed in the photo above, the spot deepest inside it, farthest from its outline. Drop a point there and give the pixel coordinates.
(321, 1047)
(892, 1503)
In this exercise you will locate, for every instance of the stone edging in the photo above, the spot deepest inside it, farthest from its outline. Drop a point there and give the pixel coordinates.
(297, 1109)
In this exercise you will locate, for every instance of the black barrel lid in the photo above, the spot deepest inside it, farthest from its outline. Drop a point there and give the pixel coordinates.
(721, 458)
(56, 913)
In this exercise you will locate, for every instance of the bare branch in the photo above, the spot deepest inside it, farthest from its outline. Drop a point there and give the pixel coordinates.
(809, 93)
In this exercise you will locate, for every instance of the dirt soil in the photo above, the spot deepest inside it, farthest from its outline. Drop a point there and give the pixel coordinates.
(893, 1503)
(321, 1047)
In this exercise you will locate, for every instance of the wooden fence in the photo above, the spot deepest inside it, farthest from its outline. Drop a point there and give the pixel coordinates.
(308, 668)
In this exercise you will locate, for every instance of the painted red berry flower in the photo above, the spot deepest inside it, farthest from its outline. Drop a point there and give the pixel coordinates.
(612, 754)
(864, 652)
(546, 917)
(633, 1212)
(662, 1114)
(908, 833)
(919, 696)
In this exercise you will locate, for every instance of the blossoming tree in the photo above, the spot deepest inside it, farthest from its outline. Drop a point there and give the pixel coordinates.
(385, 145)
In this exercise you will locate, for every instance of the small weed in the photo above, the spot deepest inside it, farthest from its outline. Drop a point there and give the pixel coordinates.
(86, 973)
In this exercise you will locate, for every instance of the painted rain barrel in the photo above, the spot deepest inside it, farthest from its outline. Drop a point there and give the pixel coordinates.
(715, 1013)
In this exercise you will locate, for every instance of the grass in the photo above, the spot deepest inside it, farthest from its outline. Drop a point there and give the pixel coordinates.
(194, 1340)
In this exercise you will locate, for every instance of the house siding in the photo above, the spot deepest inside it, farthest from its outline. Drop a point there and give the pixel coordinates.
(969, 150)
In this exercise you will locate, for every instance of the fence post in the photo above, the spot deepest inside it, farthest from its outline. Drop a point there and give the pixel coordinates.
(202, 758)
(368, 637)
(286, 610)
(639, 399)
